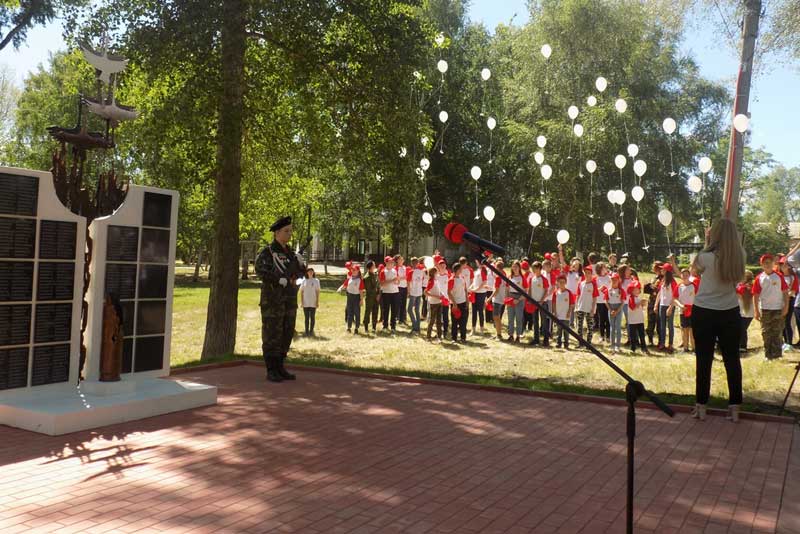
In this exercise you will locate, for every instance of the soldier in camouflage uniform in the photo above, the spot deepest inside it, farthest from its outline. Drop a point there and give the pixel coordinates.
(278, 267)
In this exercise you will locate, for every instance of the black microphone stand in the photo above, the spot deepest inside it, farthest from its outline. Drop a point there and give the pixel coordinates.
(633, 389)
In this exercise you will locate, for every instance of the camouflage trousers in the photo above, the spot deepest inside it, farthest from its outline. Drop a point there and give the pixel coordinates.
(277, 331)
(772, 331)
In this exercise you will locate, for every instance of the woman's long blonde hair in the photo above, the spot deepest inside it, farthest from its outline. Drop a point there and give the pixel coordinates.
(723, 241)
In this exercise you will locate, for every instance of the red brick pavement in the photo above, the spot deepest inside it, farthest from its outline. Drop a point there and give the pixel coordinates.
(342, 454)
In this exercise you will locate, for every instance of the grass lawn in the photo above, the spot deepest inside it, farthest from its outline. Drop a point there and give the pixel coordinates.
(482, 360)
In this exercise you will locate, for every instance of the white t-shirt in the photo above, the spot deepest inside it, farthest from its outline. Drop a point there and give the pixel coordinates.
(434, 289)
(466, 275)
(771, 288)
(602, 281)
(713, 293)
(587, 292)
(517, 280)
(355, 284)
(480, 281)
(458, 288)
(563, 300)
(539, 287)
(389, 275)
(794, 261)
(501, 290)
(401, 275)
(417, 282)
(686, 294)
(667, 294)
(635, 310)
(310, 287)
(615, 295)
(573, 278)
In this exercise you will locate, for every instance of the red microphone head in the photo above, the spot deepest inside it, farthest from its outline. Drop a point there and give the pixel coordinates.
(454, 232)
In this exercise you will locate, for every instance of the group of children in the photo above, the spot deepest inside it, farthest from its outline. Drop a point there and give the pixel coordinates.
(592, 298)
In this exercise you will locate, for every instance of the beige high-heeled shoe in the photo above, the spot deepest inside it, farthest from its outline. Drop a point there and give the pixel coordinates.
(733, 413)
(699, 412)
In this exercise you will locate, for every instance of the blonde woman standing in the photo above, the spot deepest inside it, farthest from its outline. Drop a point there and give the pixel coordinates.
(715, 314)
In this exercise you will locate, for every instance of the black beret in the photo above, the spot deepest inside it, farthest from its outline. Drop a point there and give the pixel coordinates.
(280, 223)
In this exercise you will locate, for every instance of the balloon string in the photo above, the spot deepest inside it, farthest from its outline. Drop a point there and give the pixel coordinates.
(441, 89)
(669, 247)
(591, 196)
(624, 237)
(620, 178)
(610, 246)
(490, 145)
(671, 162)
(644, 238)
(483, 99)
(477, 215)
(569, 153)
(490, 230)
(530, 245)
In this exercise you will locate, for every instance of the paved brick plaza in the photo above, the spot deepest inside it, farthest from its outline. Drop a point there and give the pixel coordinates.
(334, 453)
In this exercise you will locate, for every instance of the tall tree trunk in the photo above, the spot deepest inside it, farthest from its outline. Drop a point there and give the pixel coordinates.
(223, 300)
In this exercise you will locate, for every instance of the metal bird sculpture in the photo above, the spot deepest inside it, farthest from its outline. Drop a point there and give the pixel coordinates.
(106, 64)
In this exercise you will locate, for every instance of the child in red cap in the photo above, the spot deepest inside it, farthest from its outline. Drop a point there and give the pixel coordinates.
(771, 305)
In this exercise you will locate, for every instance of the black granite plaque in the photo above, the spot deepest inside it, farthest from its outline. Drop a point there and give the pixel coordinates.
(15, 324)
(19, 195)
(151, 318)
(149, 353)
(53, 322)
(57, 240)
(14, 368)
(155, 246)
(127, 355)
(56, 281)
(152, 281)
(128, 316)
(17, 237)
(121, 280)
(123, 243)
(16, 281)
(50, 365)
(157, 210)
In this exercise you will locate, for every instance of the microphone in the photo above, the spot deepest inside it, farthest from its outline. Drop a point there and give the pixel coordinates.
(457, 233)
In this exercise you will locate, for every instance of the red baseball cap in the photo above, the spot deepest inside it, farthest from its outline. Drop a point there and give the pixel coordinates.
(347, 264)
(667, 267)
(441, 260)
(548, 256)
(525, 265)
(387, 259)
(587, 268)
(781, 259)
(615, 276)
(765, 257)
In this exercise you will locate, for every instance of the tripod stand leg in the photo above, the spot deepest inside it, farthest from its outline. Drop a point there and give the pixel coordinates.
(786, 398)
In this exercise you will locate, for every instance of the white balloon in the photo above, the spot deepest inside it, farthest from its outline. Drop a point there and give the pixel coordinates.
(669, 125)
(620, 105)
(546, 51)
(591, 166)
(442, 66)
(403, 152)
(562, 236)
(539, 158)
(620, 161)
(547, 171)
(420, 173)
(427, 218)
(475, 172)
(612, 196)
(633, 150)
(620, 197)
(486, 74)
(424, 164)
(578, 129)
(592, 100)
(541, 141)
(609, 228)
(639, 167)
(534, 219)
(443, 116)
(491, 122)
(695, 184)
(601, 84)
(488, 213)
(741, 122)
(440, 39)
(428, 262)
(705, 164)
(637, 193)
(572, 112)
(424, 140)
(665, 217)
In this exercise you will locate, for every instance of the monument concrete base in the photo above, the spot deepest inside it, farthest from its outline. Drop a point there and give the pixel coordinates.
(96, 404)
